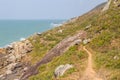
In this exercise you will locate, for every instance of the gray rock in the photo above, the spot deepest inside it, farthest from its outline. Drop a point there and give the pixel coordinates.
(39, 34)
(60, 70)
(8, 72)
(86, 41)
(26, 68)
(18, 49)
(10, 67)
(77, 42)
(11, 61)
(18, 65)
(87, 27)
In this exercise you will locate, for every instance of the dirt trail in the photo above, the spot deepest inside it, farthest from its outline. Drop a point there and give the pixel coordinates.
(90, 74)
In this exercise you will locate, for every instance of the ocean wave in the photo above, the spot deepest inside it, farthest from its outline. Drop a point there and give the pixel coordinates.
(55, 25)
(13, 42)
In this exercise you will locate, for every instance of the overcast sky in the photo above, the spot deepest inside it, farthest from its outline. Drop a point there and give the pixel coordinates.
(45, 9)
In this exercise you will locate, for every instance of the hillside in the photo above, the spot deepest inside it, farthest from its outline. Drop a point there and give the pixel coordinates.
(84, 48)
(103, 29)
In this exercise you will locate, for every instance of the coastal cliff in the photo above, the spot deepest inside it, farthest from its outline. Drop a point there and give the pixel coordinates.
(85, 47)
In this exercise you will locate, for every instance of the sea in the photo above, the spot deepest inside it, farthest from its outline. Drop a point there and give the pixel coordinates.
(16, 30)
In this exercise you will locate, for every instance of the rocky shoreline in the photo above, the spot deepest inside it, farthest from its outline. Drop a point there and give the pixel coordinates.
(14, 59)
(12, 63)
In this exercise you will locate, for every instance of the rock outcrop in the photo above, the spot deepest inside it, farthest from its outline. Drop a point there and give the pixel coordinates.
(60, 70)
(18, 49)
(11, 65)
(85, 41)
(107, 6)
(89, 26)
(58, 50)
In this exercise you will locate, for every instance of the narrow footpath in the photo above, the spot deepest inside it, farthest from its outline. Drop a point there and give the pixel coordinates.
(89, 74)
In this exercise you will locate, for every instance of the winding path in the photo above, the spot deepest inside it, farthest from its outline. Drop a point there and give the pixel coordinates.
(90, 74)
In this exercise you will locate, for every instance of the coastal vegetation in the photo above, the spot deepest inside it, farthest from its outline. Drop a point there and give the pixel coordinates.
(104, 32)
(90, 43)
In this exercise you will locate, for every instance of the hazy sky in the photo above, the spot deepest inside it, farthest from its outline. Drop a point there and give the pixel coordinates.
(45, 9)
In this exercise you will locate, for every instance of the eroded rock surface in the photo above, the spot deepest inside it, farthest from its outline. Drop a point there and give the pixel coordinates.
(58, 50)
(11, 65)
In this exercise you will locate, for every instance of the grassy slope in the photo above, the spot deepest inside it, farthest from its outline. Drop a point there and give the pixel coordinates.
(105, 31)
(49, 39)
(72, 56)
(106, 43)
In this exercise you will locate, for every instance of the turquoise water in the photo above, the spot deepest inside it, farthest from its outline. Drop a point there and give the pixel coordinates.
(14, 30)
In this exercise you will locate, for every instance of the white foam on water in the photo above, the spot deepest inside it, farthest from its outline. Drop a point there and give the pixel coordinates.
(55, 25)
(22, 39)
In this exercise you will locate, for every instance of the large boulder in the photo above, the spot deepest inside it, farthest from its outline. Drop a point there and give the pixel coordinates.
(60, 70)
